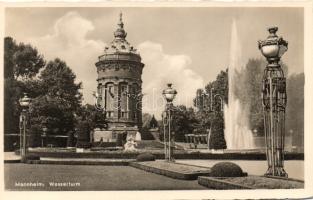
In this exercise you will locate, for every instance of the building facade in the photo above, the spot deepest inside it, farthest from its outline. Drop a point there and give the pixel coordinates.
(119, 83)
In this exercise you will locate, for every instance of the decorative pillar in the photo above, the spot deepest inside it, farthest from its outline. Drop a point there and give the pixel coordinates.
(274, 102)
(24, 103)
(169, 144)
(116, 102)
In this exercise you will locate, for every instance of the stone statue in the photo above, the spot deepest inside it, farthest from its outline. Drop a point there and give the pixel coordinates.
(130, 145)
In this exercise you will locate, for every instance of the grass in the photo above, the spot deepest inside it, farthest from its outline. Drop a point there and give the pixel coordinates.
(95, 178)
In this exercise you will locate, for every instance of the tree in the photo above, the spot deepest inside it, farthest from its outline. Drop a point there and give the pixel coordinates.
(218, 86)
(217, 138)
(153, 123)
(56, 107)
(146, 125)
(10, 48)
(295, 109)
(146, 118)
(213, 119)
(83, 133)
(27, 61)
(253, 89)
(184, 122)
(58, 80)
(94, 117)
(251, 79)
(20, 60)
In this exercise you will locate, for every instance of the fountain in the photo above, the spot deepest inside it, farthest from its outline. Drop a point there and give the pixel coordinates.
(238, 134)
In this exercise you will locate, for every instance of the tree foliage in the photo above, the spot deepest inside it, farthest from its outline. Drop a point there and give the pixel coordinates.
(20, 60)
(184, 122)
(212, 118)
(217, 138)
(60, 98)
(146, 118)
(250, 95)
(295, 108)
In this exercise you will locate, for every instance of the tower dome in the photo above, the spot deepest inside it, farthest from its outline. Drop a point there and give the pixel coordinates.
(119, 43)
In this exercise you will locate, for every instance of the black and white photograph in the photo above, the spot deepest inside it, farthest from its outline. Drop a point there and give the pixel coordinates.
(195, 98)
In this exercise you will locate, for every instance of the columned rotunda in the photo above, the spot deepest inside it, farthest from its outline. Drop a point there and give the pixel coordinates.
(119, 84)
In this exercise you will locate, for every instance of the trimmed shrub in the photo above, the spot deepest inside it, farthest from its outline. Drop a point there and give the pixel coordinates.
(226, 169)
(30, 157)
(83, 134)
(34, 138)
(217, 139)
(104, 144)
(145, 157)
(83, 144)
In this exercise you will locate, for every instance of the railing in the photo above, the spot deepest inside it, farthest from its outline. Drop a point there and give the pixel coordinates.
(128, 57)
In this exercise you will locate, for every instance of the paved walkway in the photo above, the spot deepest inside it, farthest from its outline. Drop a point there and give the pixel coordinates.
(11, 156)
(84, 159)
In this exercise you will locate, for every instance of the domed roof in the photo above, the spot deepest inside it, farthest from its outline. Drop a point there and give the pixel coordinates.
(120, 44)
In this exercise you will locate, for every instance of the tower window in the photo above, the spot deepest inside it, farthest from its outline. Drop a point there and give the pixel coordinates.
(123, 88)
(124, 114)
(110, 114)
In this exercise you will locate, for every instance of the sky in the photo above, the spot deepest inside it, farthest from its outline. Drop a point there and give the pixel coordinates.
(185, 46)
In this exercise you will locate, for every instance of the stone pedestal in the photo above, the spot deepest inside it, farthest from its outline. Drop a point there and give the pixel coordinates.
(120, 135)
(103, 135)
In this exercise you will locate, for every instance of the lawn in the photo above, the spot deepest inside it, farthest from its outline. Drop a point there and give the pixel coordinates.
(79, 177)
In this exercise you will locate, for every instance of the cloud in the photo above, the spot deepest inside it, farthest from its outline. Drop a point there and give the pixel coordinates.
(69, 42)
(160, 69)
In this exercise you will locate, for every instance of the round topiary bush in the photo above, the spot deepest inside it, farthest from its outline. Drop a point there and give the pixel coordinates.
(145, 157)
(226, 169)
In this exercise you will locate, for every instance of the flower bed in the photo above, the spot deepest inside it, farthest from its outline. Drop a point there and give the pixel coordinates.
(173, 170)
(249, 182)
(261, 182)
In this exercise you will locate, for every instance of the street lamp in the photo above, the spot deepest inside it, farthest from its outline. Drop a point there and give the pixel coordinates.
(44, 134)
(24, 103)
(274, 102)
(169, 94)
(212, 97)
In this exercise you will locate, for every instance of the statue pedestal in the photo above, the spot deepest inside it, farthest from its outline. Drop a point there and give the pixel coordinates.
(103, 135)
(119, 135)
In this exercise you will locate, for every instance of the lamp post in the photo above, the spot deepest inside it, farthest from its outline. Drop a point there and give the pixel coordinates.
(274, 102)
(24, 103)
(169, 94)
(44, 134)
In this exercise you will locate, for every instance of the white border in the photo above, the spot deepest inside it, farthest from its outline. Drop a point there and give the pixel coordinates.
(186, 194)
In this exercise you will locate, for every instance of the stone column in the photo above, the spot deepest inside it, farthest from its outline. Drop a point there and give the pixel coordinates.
(116, 101)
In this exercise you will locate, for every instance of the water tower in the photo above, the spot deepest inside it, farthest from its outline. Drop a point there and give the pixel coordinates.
(120, 88)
